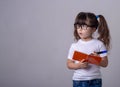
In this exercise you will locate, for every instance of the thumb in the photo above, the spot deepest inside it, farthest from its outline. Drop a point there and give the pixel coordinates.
(83, 60)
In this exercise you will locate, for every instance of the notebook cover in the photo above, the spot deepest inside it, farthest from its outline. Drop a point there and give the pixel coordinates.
(94, 59)
(79, 56)
(89, 58)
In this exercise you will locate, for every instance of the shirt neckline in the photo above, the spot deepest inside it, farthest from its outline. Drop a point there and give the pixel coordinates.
(86, 42)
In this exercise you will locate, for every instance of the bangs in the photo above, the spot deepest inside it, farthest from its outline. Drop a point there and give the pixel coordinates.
(80, 19)
(80, 22)
(86, 19)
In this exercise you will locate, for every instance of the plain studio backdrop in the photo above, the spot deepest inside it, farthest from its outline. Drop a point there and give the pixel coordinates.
(35, 36)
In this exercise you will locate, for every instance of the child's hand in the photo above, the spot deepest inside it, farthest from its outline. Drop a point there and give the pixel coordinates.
(82, 64)
(94, 54)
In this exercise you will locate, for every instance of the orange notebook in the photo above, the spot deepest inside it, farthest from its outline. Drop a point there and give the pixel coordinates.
(89, 58)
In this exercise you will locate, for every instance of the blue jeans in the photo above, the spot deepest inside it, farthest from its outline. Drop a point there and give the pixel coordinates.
(88, 83)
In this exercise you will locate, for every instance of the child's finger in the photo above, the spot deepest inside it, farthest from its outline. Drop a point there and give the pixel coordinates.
(83, 60)
(94, 54)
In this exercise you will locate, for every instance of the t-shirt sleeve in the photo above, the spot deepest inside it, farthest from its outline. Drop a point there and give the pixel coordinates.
(103, 48)
(71, 52)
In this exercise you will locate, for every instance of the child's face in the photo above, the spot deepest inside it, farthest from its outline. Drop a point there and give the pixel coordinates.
(85, 32)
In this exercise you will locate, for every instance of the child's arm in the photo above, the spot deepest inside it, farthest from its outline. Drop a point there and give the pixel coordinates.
(72, 65)
(104, 62)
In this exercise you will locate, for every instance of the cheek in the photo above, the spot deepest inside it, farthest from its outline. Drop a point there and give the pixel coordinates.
(88, 33)
(78, 31)
(85, 32)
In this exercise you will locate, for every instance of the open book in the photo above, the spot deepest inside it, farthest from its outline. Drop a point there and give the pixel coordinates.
(88, 58)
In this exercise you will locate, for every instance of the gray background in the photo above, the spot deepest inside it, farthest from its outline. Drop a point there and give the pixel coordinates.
(35, 36)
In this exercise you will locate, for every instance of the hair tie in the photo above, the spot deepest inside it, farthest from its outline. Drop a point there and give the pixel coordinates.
(97, 16)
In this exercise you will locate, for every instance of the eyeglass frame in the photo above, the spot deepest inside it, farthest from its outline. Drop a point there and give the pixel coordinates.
(81, 26)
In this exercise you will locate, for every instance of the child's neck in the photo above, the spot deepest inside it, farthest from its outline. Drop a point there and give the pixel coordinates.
(86, 39)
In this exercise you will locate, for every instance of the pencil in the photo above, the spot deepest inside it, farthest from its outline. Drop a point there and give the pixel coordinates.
(101, 52)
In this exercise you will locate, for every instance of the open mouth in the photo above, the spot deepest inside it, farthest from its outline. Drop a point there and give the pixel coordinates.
(80, 33)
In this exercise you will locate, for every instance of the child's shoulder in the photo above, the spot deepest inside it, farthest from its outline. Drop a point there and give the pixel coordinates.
(73, 44)
(98, 42)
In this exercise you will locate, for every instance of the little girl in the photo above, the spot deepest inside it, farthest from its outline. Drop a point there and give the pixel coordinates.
(85, 26)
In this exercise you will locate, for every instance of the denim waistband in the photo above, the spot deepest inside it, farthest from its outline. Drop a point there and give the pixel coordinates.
(88, 83)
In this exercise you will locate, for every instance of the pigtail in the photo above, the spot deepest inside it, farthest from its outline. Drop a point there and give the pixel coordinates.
(103, 30)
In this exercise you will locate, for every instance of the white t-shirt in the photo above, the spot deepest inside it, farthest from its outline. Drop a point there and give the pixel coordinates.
(88, 47)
